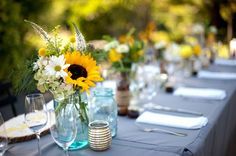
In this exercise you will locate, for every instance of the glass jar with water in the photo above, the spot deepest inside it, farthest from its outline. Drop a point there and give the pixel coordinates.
(104, 107)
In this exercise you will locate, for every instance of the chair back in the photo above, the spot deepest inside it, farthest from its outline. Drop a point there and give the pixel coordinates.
(6, 97)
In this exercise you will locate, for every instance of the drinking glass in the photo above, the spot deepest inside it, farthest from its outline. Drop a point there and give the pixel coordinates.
(149, 76)
(35, 114)
(63, 126)
(3, 137)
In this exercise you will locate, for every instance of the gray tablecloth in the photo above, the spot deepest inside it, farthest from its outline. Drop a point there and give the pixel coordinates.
(212, 139)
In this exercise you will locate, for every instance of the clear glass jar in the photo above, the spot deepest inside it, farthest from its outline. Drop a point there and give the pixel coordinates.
(104, 107)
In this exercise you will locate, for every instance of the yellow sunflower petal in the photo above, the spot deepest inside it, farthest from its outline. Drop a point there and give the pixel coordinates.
(90, 83)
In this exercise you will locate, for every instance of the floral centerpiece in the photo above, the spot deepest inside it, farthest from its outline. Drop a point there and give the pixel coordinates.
(67, 71)
(123, 53)
(156, 43)
(190, 58)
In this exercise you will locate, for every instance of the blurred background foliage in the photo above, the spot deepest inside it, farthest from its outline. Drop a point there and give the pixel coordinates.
(96, 18)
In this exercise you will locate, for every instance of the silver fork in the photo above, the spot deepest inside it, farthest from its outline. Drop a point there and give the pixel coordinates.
(164, 131)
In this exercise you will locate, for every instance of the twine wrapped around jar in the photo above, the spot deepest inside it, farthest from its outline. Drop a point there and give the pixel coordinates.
(99, 135)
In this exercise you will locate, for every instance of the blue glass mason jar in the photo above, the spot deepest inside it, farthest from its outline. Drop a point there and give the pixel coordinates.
(80, 101)
(104, 107)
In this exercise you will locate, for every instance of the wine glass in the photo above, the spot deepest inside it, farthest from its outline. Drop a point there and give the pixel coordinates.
(3, 137)
(63, 126)
(36, 114)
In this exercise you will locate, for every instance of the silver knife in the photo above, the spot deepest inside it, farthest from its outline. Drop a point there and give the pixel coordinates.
(169, 109)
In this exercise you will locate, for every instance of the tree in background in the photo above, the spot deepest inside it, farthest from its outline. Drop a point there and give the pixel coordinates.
(100, 17)
(13, 30)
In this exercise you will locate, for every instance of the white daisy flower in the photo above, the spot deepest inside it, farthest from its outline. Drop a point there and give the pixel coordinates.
(41, 63)
(123, 48)
(56, 66)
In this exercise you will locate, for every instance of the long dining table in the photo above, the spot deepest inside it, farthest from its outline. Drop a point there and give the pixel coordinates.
(210, 140)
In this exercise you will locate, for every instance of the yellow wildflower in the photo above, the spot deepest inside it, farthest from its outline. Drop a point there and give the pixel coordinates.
(42, 52)
(126, 39)
(72, 39)
(186, 51)
(143, 36)
(159, 36)
(197, 50)
(114, 56)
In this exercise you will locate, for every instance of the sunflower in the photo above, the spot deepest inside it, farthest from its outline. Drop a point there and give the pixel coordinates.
(83, 71)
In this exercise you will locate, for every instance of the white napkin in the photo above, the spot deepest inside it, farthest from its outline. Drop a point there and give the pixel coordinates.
(225, 62)
(216, 75)
(206, 93)
(172, 120)
(50, 105)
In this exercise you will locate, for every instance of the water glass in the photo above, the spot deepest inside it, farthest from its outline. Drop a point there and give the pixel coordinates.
(149, 76)
(63, 126)
(35, 114)
(3, 137)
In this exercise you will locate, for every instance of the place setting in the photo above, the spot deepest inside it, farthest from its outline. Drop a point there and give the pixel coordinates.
(151, 114)
(117, 78)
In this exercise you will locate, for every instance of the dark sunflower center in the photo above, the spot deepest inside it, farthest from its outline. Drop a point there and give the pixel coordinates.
(77, 71)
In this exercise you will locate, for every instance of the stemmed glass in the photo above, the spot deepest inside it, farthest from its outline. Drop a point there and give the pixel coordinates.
(63, 126)
(36, 114)
(3, 138)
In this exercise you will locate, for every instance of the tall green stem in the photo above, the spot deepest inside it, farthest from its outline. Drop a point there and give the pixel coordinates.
(122, 65)
(83, 109)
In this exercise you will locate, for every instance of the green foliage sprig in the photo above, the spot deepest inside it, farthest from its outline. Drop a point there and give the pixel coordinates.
(23, 78)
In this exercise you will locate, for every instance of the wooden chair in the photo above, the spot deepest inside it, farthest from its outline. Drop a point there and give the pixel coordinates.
(6, 97)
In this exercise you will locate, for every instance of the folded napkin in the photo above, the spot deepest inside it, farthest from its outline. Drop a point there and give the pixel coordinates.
(216, 75)
(172, 120)
(225, 62)
(206, 93)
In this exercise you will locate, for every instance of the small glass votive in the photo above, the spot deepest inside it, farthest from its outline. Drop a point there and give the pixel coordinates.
(99, 135)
